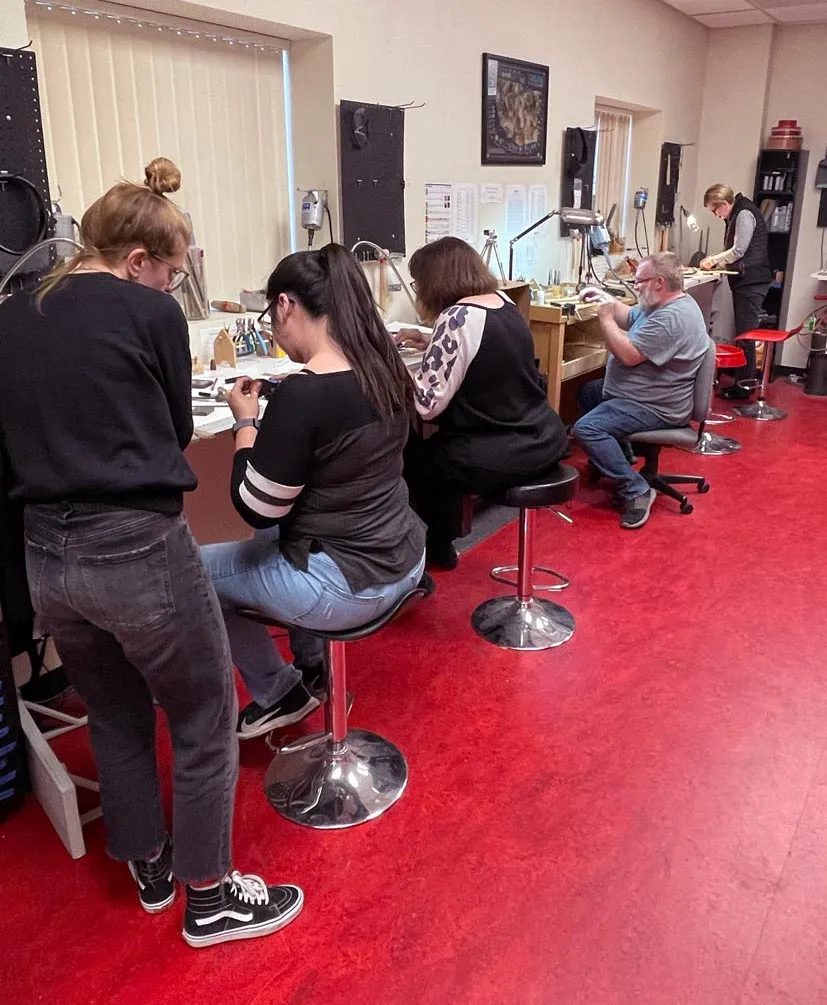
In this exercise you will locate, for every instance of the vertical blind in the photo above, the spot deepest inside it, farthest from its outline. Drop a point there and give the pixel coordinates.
(114, 96)
(612, 163)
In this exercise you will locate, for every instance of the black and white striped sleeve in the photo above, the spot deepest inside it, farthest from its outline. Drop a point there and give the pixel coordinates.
(269, 477)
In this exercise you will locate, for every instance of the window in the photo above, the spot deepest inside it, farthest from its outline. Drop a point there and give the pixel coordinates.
(612, 162)
(116, 92)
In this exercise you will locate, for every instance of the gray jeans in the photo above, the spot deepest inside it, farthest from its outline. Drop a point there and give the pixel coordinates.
(133, 614)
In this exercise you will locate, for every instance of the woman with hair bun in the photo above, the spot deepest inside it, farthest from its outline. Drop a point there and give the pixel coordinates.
(95, 413)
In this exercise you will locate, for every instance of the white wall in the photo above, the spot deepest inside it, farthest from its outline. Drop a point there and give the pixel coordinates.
(640, 52)
(732, 120)
(12, 24)
(756, 76)
(798, 90)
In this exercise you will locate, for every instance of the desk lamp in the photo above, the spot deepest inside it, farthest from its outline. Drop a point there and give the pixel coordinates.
(578, 219)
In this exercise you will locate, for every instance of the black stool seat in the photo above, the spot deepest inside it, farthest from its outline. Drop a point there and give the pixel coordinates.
(559, 486)
(347, 634)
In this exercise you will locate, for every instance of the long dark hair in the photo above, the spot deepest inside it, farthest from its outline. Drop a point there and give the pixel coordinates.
(330, 283)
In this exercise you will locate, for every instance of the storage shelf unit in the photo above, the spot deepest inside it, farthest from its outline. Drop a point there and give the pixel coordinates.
(781, 208)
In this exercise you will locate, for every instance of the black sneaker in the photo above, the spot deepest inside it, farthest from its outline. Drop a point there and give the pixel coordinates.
(441, 555)
(156, 885)
(293, 707)
(636, 511)
(239, 907)
(314, 678)
(735, 393)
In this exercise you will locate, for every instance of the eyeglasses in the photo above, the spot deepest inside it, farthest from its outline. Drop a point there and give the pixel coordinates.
(269, 308)
(648, 279)
(176, 275)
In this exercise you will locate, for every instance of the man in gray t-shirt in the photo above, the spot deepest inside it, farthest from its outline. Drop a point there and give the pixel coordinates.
(655, 350)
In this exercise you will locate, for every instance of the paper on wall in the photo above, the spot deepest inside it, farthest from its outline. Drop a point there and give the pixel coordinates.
(438, 199)
(464, 213)
(515, 210)
(491, 194)
(538, 207)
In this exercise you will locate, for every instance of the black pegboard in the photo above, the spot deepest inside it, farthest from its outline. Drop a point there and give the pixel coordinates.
(668, 183)
(371, 162)
(21, 153)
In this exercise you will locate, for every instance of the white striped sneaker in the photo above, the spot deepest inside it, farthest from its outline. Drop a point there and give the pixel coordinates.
(239, 907)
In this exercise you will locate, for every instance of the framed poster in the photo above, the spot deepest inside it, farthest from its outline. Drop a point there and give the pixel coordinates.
(514, 111)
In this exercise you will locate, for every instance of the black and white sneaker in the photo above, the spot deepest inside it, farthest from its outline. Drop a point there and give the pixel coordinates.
(293, 707)
(636, 511)
(239, 907)
(156, 884)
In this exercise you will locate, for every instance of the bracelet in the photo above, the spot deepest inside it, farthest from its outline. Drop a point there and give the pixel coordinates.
(244, 424)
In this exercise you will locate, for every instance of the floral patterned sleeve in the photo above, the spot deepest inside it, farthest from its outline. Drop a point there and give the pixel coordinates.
(453, 346)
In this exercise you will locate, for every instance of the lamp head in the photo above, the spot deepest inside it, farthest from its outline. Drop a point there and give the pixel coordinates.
(581, 217)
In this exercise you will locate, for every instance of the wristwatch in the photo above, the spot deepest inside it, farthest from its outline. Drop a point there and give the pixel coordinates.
(243, 423)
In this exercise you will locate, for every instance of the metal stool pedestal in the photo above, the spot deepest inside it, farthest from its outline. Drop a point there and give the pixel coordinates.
(524, 622)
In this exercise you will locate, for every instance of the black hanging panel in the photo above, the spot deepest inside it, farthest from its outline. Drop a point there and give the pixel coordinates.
(579, 148)
(21, 153)
(668, 183)
(371, 163)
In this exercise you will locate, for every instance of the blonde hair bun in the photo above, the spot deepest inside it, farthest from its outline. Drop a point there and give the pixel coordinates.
(162, 176)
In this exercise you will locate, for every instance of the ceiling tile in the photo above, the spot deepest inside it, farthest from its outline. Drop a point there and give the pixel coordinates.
(800, 13)
(735, 18)
(695, 7)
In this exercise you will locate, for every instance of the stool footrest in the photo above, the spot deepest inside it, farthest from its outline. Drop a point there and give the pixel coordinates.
(497, 575)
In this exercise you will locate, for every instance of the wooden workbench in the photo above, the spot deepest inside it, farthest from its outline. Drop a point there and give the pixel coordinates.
(569, 347)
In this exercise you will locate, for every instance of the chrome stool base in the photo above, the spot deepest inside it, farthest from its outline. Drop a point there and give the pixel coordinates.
(719, 418)
(497, 575)
(523, 624)
(716, 446)
(761, 411)
(330, 786)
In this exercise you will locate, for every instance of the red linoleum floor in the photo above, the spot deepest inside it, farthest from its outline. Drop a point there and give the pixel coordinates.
(637, 817)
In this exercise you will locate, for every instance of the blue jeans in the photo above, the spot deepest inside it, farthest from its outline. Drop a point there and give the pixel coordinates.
(255, 574)
(133, 614)
(604, 431)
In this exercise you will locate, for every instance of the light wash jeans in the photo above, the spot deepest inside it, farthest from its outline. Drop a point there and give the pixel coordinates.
(255, 574)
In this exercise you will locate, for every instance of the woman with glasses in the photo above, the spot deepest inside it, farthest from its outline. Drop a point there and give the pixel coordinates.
(746, 254)
(479, 384)
(95, 413)
(320, 477)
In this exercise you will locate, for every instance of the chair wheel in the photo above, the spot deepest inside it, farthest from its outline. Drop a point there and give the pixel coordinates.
(703, 488)
(686, 507)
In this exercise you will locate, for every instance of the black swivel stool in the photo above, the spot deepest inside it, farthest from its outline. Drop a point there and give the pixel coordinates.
(524, 621)
(341, 777)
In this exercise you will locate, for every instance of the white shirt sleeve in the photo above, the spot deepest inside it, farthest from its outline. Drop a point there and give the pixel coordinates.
(454, 344)
(744, 229)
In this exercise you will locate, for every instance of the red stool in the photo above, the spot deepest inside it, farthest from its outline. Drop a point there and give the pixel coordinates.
(710, 444)
(760, 409)
(727, 357)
